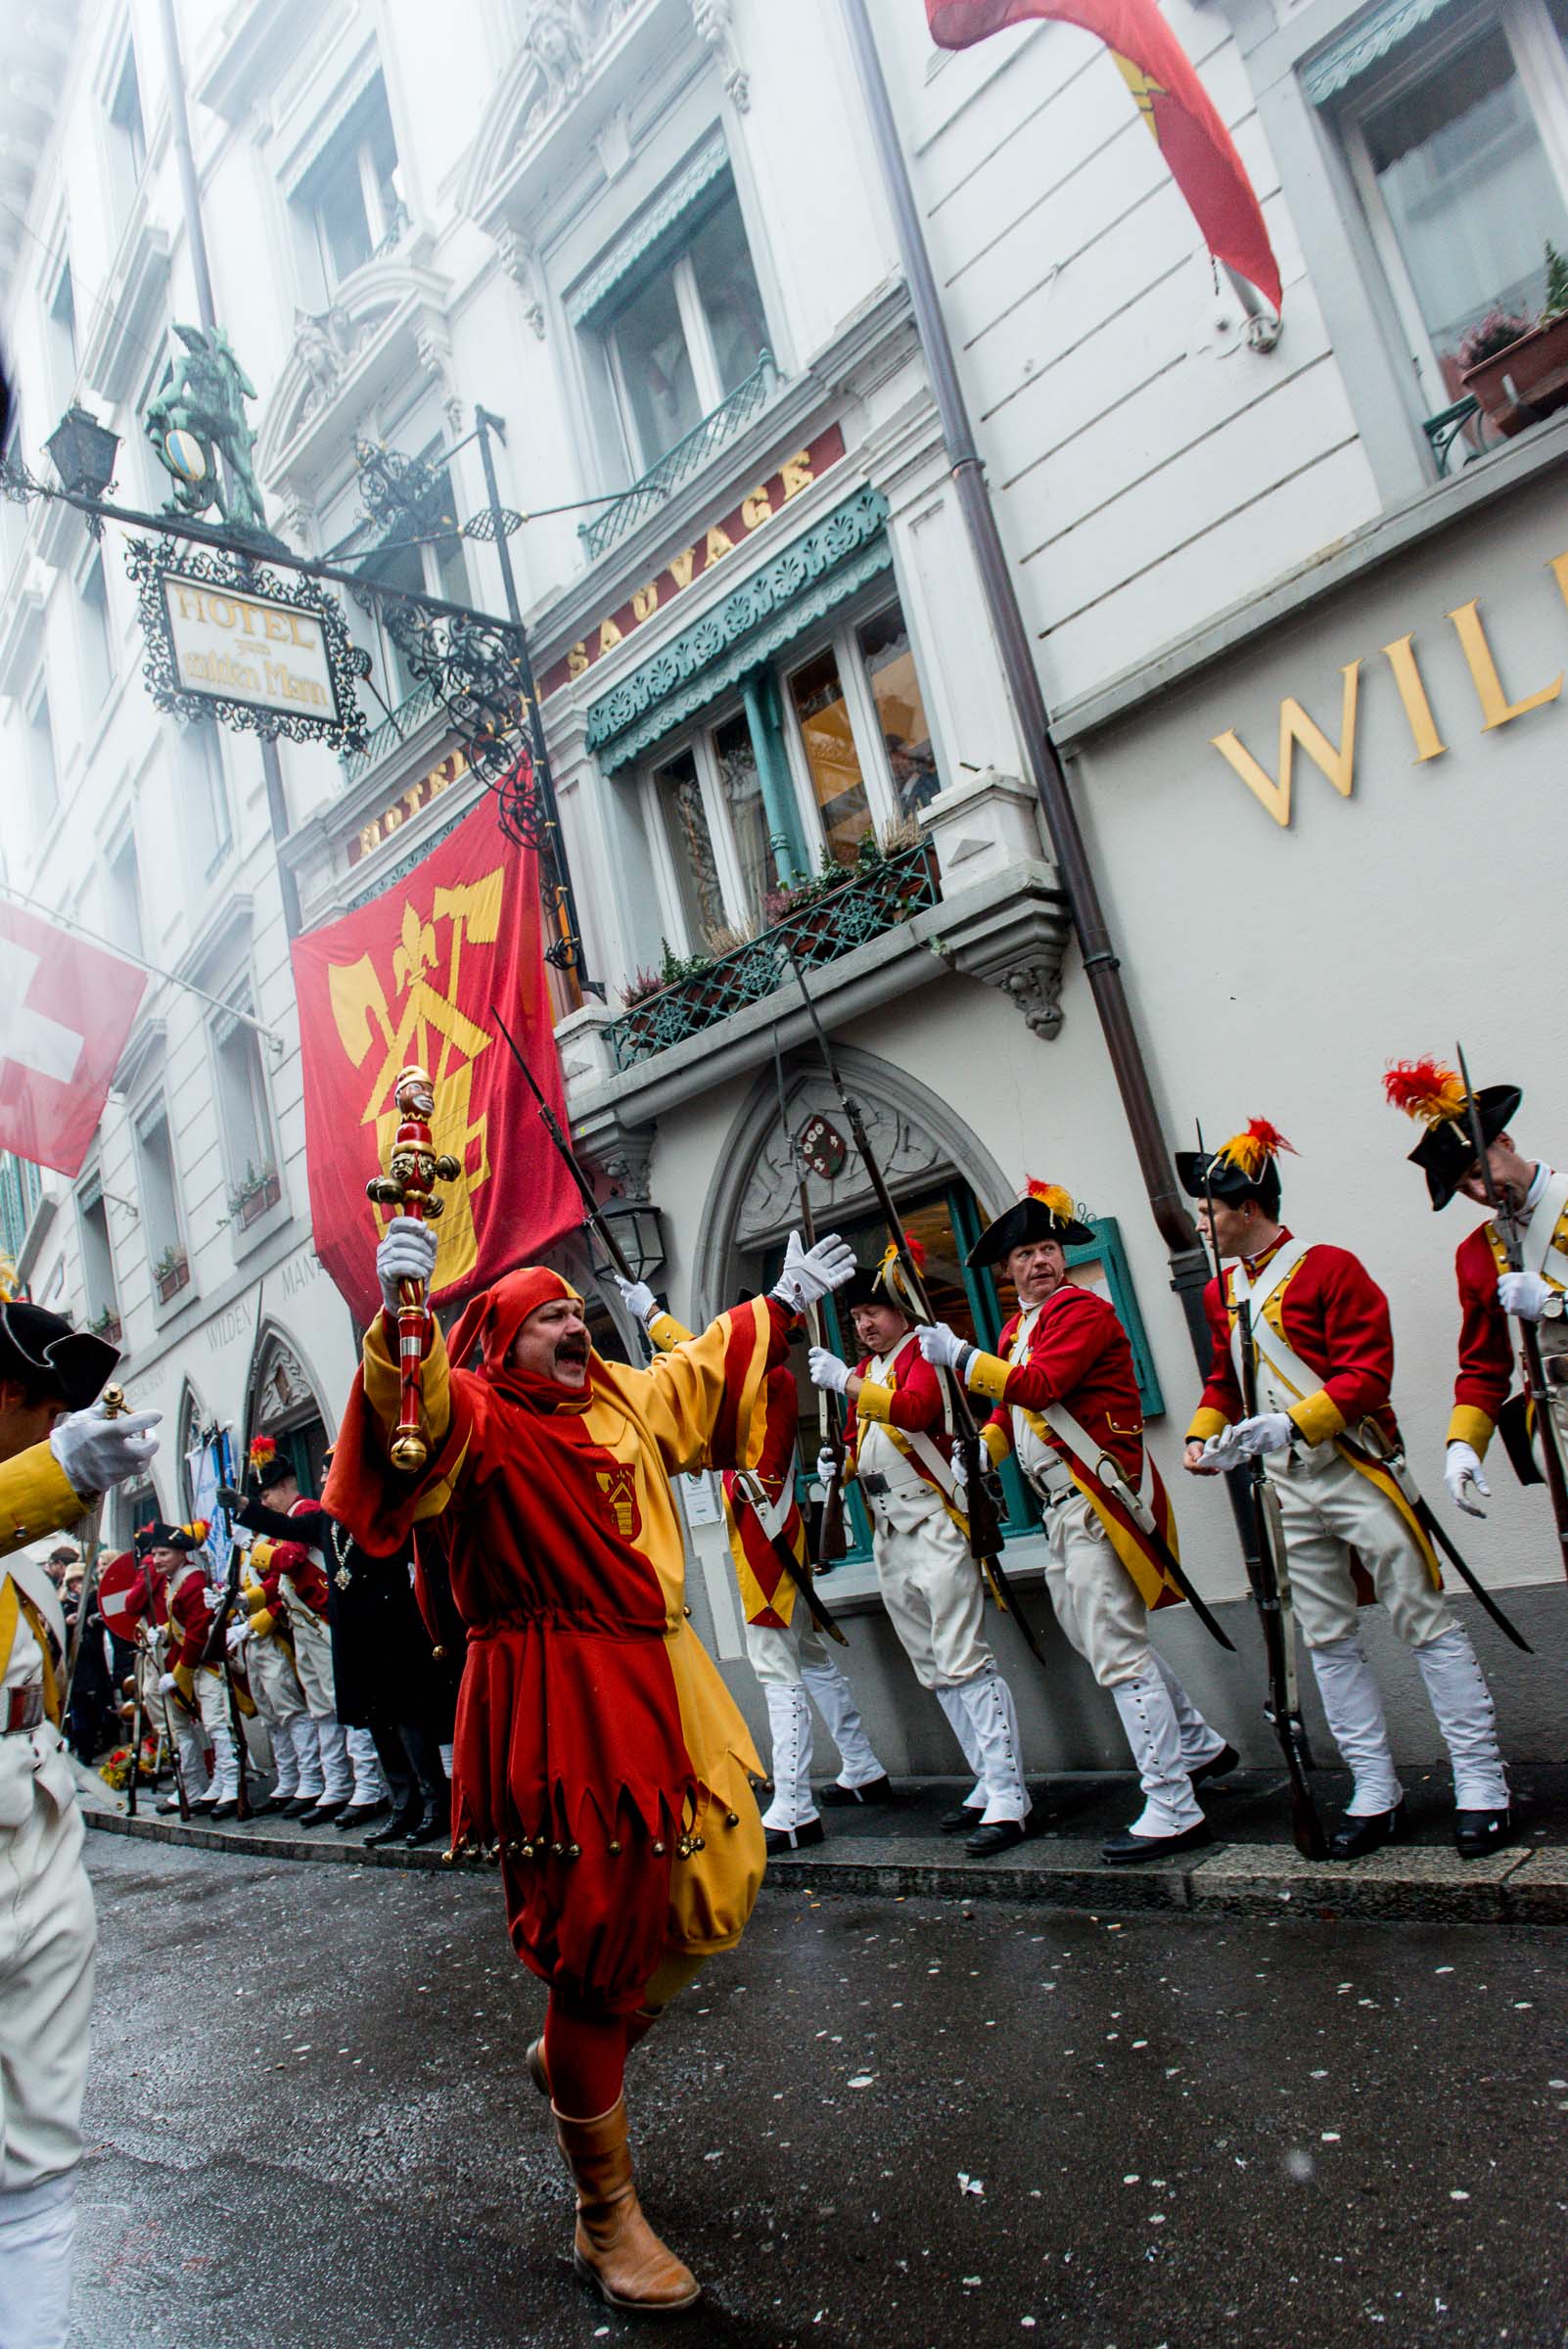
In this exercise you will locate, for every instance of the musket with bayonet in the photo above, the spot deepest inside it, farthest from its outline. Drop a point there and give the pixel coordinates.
(1537, 1386)
(801, 1579)
(983, 1516)
(831, 1539)
(1271, 1577)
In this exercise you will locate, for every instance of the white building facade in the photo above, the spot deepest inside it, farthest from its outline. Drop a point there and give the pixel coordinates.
(1306, 658)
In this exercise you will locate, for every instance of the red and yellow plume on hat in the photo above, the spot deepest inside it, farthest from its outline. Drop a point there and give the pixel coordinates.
(197, 1529)
(1252, 1148)
(263, 1452)
(1051, 1196)
(891, 1259)
(1428, 1089)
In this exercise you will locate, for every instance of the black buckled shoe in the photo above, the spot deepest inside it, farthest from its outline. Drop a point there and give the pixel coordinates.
(999, 1836)
(360, 1814)
(321, 1814)
(402, 1823)
(794, 1840)
(300, 1806)
(1218, 1766)
(1128, 1850)
(962, 1821)
(226, 1807)
(1477, 1832)
(434, 1823)
(1357, 1835)
(835, 1796)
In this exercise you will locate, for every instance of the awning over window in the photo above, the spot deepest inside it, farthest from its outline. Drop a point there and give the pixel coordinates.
(1363, 44)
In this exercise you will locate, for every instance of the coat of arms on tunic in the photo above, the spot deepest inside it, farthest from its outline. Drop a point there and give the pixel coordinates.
(618, 1484)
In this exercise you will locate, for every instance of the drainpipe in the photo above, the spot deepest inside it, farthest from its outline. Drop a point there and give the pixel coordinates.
(1101, 967)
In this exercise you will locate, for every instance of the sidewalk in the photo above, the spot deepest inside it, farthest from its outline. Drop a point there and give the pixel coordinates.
(1251, 1870)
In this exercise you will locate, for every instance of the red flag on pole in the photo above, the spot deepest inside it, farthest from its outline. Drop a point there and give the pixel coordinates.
(65, 1010)
(412, 977)
(1173, 100)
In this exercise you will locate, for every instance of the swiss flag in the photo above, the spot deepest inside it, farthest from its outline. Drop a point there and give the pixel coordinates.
(65, 1010)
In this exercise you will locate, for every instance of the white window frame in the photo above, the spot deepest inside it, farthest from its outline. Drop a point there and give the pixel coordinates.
(697, 739)
(1542, 65)
(63, 383)
(239, 999)
(153, 1109)
(93, 559)
(706, 381)
(123, 145)
(122, 838)
(881, 797)
(89, 1193)
(377, 221)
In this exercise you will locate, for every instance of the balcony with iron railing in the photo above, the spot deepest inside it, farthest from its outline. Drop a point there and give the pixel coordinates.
(821, 921)
(393, 730)
(677, 465)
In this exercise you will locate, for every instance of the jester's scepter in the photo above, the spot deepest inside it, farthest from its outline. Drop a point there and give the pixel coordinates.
(413, 1170)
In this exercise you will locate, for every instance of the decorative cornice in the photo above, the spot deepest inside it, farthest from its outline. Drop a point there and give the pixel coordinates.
(711, 159)
(815, 573)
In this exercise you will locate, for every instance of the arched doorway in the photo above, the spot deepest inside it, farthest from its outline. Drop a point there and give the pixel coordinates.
(282, 1402)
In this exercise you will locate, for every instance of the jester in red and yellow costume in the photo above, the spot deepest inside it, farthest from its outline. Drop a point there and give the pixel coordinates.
(598, 1753)
(1322, 1355)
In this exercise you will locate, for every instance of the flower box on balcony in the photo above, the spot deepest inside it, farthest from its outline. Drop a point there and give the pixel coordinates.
(250, 1200)
(170, 1274)
(1525, 382)
(107, 1326)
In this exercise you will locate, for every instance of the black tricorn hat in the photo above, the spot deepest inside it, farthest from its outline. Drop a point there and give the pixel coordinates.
(885, 1283)
(41, 1349)
(1246, 1167)
(1434, 1094)
(1043, 1210)
(160, 1536)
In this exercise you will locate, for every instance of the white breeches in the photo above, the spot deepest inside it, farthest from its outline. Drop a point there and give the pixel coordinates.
(931, 1588)
(213, 1701)
(369, 1784)
(312, 1656)
(1097, 1603)
(1328, 1511)
(274, 1683)
(47, 1938)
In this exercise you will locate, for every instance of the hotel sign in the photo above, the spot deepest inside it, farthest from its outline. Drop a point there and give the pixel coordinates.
(756, 510)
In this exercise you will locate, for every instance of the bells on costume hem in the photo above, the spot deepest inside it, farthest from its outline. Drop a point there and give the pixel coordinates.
(543, 1846)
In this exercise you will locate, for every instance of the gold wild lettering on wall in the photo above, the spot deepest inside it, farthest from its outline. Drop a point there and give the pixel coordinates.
(1300, 731)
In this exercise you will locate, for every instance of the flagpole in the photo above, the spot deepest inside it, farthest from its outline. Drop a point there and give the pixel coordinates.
(1102, 965)
(63, 921)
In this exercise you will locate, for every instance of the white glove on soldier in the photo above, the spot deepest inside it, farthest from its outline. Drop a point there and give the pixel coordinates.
(827, 1371)
(827, 1467)
(168, 1685)
(1461, 1473)
(1270, 1431)
(237, 1636)
(940, 1345)
(96, 1452)
(637, 1298)
(810, 1274)
(407, 1252)
(1523, 1294)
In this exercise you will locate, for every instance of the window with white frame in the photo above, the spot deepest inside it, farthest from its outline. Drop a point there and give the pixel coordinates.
(162, 1233)
(245, 1117)
(204, 798)
(1457, 140)
(127, 125)
(43, 772)
(61, 337)
(123, 896)
(685, 329)
(349, 203)
(97, 637)
(832, 746)
(96, 1258)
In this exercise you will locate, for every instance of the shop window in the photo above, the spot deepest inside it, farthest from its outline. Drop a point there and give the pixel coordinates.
(1457, 140)
(128, 124)
(688, 333)
(350, 201)
(827, 737)
(885, 650)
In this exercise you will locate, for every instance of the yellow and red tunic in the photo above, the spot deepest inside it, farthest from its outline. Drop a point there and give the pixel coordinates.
(1488, 1357)
(595, 1741)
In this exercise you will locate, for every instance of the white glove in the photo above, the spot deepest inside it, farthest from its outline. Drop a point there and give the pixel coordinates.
(407, 1252)
(827, 1371)
(1270, 1431)
(810, 1272)
(827, 1467)
(637, 1298)
(96, 1452)
(168, 1685)
(1523, 1294)
(1461, 1473)
(940, 1345)
(237, 1636)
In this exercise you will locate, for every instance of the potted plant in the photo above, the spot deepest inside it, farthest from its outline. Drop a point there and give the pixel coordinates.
(257, 1190)
(107, 1326)
(1516, 368)
(172, 1272)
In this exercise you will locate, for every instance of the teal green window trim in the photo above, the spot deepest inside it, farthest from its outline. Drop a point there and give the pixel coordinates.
(764, 719)
(670, 220)
(816, 572)
(1106, 1249)
(1364, 44)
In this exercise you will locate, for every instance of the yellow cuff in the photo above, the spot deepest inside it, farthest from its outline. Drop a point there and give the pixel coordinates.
(987, 1374)
(1318, 1416)
(1470, 1426)
(1206, 1423)
(666, 1332)
(874, 1404)
(185, 1682)
(36, 1498)
(262, 1622)
(384, 1386)
(997, 1442)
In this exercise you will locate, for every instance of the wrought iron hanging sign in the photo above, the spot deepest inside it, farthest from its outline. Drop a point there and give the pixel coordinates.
(230, 640)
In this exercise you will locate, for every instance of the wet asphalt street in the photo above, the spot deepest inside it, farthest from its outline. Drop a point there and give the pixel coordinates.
(881, 2122)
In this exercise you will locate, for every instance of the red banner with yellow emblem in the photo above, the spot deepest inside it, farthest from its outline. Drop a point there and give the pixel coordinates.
(413, 977)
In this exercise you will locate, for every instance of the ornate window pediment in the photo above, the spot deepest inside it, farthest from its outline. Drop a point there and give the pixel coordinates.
(387, 325)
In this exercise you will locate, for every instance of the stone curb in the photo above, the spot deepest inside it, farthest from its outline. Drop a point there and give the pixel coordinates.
(1410, 1884)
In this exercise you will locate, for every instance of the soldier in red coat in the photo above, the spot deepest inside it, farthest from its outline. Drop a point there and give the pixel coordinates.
(1325, 1430)
(1066, 1404)
(898, 1443)
(1491, 1297)
(184, 1603)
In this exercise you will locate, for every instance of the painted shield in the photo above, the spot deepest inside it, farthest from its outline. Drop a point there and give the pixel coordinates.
(122, 1595)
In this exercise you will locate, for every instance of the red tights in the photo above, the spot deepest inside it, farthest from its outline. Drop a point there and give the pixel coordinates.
(586, 2055)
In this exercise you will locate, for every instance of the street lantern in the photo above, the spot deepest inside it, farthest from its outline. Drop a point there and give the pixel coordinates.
(84, 452)
(640, 1233)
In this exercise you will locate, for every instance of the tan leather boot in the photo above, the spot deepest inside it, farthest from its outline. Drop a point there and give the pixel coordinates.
(616, 2248)
(537, 2067)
